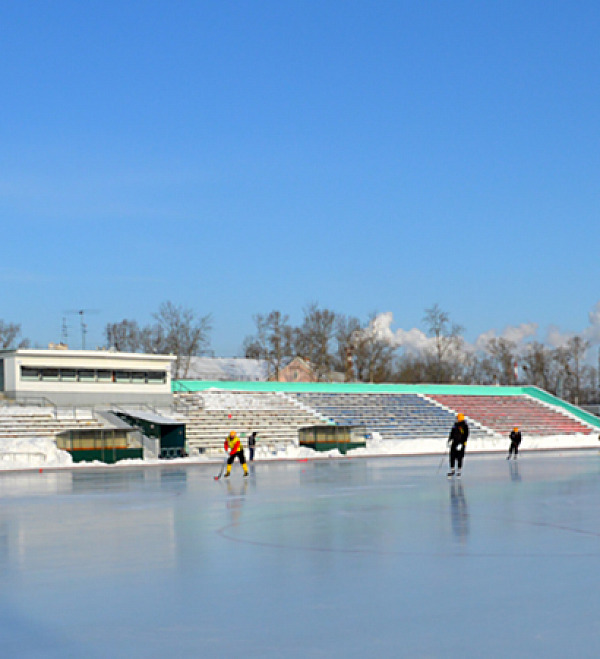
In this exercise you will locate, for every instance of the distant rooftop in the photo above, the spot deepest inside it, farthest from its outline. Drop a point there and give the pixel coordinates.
(228, 369)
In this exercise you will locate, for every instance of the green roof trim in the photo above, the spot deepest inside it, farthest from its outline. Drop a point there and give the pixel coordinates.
(349, 387)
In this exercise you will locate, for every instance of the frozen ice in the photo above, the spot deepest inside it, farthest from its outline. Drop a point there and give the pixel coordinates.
(350, 557)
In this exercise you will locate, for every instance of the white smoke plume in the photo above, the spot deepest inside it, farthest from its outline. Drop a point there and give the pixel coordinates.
(515, 333)
(415, 341)
(556, 338)
(592, 333)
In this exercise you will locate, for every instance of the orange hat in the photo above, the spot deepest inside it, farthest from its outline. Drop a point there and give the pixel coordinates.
(460, 417)
(515, 429)
(232, 434)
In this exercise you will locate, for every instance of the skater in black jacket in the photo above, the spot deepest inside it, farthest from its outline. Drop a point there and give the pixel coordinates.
(515, 440)
(252, 445)
(457, 442)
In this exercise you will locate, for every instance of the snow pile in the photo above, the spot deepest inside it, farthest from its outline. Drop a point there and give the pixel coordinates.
(28, 453)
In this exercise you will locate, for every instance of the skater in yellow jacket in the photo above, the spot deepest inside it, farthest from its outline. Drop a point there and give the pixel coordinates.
(233, 446)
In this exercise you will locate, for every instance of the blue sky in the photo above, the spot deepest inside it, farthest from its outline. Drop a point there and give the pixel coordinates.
(240, 157)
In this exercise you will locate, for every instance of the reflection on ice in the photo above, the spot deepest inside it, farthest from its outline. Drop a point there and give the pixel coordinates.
(459, 513)
(513, 466)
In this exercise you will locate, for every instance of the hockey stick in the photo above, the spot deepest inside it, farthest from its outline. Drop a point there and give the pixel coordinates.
(222, 469)
(441, 463)
(444, 457)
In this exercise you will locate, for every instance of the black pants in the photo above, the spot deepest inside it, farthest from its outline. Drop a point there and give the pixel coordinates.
(251, 451)
(456, 457)
(239, 455)
(514, 448)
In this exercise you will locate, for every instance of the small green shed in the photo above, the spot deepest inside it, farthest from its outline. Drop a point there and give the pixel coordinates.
(328, 438)
(169, 432)
(107, 445)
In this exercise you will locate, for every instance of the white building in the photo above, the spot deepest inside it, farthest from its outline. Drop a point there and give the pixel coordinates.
(85, 377)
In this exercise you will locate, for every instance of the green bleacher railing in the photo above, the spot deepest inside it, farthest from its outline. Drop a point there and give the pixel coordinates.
(545, 397)
(349, 387)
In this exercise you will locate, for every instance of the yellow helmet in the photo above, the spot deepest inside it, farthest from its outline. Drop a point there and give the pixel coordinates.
(232, 434)
(460, 417)
(516, 429)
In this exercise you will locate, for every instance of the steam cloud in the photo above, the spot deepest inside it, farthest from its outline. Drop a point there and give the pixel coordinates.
(415, 341)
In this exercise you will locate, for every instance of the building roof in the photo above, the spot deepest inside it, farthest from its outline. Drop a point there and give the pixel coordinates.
(152, 417)
(227, 369)
(84, 354)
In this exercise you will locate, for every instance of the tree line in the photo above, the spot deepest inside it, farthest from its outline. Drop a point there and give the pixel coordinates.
(359, 351)
(338, 343)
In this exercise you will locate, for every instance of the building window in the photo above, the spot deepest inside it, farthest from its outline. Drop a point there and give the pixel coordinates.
(122, 376)
(86, 375)
(30, 374)
(50, 374)
(156, 377)
(105, 376)
(68, 375)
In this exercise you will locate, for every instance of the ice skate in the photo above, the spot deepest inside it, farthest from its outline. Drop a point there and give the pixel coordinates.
(458, 474)
(450, 473)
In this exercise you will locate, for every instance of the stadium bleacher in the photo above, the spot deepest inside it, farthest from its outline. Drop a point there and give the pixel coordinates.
(393, 412)
(18, 422)
(503, 413)
(276, 411)
(394, 416)
(211, 415)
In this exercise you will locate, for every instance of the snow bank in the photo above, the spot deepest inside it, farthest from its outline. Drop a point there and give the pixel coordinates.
(436, 447)
(32, 453)
(19, 454)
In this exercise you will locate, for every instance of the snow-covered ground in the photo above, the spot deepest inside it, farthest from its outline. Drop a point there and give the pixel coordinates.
(42, 453)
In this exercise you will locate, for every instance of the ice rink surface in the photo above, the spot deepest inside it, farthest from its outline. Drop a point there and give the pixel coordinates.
(376, 557)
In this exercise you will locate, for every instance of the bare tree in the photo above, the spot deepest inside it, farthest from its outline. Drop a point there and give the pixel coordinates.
(473, 368)
(124, 336)
(9, 333)
(314, 338)
(347, 329)
(375, 361)
(588, 385)
(537, 364)
(373, 355)
(448, 339)
(179, 332)
(504, 354)
(575, 353)
(411, 369)
(274, 340)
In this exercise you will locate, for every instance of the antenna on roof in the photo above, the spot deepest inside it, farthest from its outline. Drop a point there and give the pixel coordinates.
(64, 335)
(81, 313)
